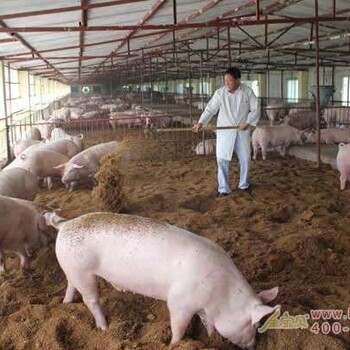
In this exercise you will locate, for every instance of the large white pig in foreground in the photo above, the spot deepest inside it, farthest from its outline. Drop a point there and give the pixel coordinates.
(343, 164)
(191, 273)
(85, 163)
(20, 229)
(281, 135)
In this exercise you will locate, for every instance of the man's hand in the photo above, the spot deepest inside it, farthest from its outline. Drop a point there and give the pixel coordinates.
(198, 127)
(243, 126)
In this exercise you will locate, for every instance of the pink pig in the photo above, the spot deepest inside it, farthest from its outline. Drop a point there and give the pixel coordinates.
(281, 136)
(191, 273)
(343, 164)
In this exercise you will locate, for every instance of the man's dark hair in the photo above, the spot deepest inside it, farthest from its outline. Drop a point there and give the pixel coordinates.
(234, 71)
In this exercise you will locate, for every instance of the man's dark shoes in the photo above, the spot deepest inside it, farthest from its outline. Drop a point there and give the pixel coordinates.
(221, 194)
(248, 189)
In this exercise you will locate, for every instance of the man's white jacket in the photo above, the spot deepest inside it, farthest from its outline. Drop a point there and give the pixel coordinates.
(234, 109)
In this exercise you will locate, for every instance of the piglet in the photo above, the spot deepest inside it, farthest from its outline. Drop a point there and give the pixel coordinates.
(191, 273)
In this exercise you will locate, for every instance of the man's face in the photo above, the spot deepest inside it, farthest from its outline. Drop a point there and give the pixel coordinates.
(231, 83)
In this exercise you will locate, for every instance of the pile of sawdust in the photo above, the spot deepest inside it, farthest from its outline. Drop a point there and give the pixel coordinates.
(109, 191)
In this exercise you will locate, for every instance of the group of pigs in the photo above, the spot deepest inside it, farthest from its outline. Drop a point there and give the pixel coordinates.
(282, 136)
(191, 273)
(62, 155)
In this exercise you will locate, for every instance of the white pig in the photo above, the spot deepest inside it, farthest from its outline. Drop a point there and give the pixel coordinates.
(281, 135)
(330, 136)
(32, 133)
(59, 133)
(18, 183)
(275, 110)
(62, 146)
(85, 163)
(206, 147)
(20, 229)
(22, 145)
(191, 273)
(343, 164)
(39, 162)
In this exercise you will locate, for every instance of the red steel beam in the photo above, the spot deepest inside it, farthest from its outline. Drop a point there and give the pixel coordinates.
(224, 23)
(65, 48)
(190, 17)
(65, 9)
(84, 22)
(31, 48)
(157, 5)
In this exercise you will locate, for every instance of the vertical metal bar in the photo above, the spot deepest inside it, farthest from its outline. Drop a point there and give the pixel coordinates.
(257, 10)
(281, 82)
(190, 88)
(141, 87)
(8, 152)
(166, 87)
(318, 134)
(29, 101)
(111, 78)
(267, 85)
(151, 81)
(229, 45)
(201, 80)
(333, 75)
(174, 12)
(207, 49)
(266, 31)
(348, 91)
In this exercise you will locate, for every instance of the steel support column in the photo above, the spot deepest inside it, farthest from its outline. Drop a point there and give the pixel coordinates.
(318, 134)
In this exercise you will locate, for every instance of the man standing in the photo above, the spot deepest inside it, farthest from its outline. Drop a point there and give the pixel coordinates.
(238, 107)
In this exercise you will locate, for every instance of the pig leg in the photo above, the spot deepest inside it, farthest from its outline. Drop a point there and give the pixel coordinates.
(24, 263)
(49, 182)
(87, 287)
(207, 324)
(2, 262)
(68, 298)
(73, 186)
(180, 315)
(283, 150)
(255, 150)
(343, 178)
(264, 150)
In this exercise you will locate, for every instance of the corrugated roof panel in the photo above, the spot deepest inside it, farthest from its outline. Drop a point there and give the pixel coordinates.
(16, 6)
(121, 14)
(64, 19)
(42, 41)
(12, 47)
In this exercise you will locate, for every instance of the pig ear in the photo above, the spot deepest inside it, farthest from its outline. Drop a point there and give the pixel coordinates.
(261, 311)
(268, 295)
(59, 167)
(77, 166)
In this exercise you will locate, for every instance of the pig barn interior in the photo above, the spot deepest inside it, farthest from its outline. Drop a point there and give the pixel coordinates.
(141, 72)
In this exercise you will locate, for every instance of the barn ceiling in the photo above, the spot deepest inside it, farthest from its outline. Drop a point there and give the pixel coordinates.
(87, 40)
